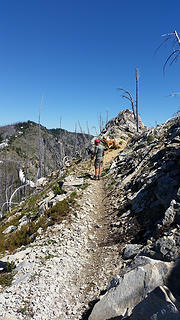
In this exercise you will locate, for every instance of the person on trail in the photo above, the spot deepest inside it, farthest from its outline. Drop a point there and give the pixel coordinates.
(98, 154)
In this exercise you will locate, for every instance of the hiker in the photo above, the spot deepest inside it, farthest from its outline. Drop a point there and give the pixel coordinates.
(98, 154)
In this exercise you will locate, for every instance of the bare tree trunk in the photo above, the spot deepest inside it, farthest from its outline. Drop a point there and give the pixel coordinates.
(60, 121)
(95, 129)
(75, 143)
(26, 165)
(60, 145)
(101, 123)
(12, 196)
(5, 176)
(83, 150)
(107, 115)
(88, 131)
(45, 157)
(39, 141)
(137, 92)
(82, 132)
(7, 195)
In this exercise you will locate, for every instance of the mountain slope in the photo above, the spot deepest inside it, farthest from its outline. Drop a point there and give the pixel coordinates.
(25, 147)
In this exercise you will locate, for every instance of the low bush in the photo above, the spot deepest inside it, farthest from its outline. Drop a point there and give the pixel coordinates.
(58, 190)
(6, 279)
(150, 138)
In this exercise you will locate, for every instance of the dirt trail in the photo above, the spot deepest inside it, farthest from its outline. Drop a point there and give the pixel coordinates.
(103, 261)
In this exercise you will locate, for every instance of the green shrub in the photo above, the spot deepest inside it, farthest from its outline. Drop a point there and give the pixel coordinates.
(60, 210)
(23, 310)
(150, 138)
(58, 190)
(84, 186)
(6, 279)
(19, 151)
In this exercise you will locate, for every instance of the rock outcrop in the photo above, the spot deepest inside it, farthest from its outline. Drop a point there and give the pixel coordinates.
(122, 127)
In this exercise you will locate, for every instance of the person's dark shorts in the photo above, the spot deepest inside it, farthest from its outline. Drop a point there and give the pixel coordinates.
(98, 163)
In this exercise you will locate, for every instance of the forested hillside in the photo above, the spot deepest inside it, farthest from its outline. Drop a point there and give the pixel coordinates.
(37, 151)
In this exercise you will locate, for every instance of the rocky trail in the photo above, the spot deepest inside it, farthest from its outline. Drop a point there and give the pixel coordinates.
(67, 266)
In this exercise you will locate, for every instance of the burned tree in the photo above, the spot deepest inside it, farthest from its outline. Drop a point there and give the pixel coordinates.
(137, 93)
(175, 43)
(134, 104)
(39, 173)
(127, 95)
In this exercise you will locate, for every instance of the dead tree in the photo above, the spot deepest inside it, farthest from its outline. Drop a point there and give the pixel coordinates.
(5, 176)
(95, 129)
(75, 141)
(82, 132)
(137, 92)
(101, 123)
(173, 57)
(107, 116)
(39, 175)
(175, 40)
(45, 156)
(61, 148)
(86, 142)
(129, 97)
(13, 194)
(87, 126)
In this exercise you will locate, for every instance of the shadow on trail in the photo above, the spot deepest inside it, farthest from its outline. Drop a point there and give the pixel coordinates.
(87, 312)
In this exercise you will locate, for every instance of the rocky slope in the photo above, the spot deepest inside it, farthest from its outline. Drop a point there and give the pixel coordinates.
(112, 244)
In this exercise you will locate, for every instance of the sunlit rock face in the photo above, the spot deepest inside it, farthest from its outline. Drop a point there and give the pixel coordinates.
(123, 126)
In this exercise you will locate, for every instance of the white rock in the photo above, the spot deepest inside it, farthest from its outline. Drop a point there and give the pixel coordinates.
(9, 229)
(41, 182)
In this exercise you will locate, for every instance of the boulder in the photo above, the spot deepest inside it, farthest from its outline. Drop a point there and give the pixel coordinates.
(166, 248)
(131, 250)
(169, 214)
(132, 288)
(56, 199)
(160, 304)
(73, 181)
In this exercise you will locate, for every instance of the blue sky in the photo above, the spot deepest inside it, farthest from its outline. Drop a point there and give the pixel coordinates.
(76, 53)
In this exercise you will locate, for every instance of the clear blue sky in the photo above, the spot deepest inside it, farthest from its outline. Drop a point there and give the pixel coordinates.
(76, 53)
